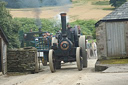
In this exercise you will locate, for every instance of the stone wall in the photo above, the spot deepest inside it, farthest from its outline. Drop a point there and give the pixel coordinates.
(101, 41)
(22, 60)
(126, 37)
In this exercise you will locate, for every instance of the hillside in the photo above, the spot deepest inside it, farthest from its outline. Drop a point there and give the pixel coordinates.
(80, 9)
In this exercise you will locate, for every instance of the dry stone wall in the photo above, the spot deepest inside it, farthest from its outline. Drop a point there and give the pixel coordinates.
(22, 60)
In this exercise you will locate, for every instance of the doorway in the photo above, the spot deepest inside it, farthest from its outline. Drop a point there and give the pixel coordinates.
(116, 38)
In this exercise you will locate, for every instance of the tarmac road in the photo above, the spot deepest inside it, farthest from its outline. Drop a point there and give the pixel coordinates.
(68, 75)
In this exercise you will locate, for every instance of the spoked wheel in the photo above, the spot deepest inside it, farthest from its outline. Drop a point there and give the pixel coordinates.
(52, 61)
(79, 59)
(84, 53)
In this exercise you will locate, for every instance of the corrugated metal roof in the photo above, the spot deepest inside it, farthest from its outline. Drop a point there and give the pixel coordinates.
(119, 13)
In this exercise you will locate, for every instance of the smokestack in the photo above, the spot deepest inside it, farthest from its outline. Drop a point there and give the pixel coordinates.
(63, 22)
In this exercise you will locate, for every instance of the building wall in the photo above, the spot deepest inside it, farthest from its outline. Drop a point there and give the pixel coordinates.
(126, 37)
(101, 41)
(4, 56)
(112, 39)
(4, 52)
(0, 57)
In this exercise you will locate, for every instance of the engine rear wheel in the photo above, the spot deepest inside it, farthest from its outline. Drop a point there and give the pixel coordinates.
(79, 59)
(52, 61)
(84, 53)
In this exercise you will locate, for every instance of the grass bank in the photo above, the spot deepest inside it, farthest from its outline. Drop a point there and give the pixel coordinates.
(114, 61)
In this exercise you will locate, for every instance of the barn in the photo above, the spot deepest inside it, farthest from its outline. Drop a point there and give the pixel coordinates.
(3, 52)
(112, 34)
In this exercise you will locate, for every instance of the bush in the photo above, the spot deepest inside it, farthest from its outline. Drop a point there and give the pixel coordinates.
(117, 3)
(10, 26)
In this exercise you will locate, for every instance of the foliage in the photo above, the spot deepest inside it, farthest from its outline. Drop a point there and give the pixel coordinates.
(100, 3)
(117, 3)
(48, 25)
(108, 8)
(35, 3)
(87, 27)
(9, 26)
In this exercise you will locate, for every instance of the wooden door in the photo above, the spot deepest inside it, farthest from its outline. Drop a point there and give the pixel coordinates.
(115, 38)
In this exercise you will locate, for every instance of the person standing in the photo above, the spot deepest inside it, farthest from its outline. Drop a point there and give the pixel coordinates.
(31, 30)
(68, 26)
(79, 29)
(88, 49)
(69, 31)
(94, 49)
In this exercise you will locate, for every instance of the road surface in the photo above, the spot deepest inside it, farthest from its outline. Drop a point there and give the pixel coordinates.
(68, 75)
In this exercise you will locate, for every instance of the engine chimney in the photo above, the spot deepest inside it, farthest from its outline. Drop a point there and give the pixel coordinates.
(63, 22)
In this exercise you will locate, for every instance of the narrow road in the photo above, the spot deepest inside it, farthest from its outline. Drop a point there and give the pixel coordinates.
(68, 75)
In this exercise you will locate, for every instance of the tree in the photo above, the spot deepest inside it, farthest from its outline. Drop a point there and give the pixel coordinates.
(9, 26)
(117, 3)
(87, 27)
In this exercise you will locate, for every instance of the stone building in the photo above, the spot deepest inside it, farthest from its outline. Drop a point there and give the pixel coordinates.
(3, 52)
(112, 34)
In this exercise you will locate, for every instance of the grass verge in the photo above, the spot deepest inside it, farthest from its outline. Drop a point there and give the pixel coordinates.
(114, 61)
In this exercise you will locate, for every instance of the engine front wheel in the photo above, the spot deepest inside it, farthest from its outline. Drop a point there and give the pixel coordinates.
(84, 53)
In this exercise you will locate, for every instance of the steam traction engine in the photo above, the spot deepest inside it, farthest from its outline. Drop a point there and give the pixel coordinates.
(69, 46)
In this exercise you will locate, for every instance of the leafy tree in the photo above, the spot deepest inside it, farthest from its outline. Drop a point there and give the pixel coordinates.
(94, 33)
(9, 26)
(117, 3)
(48, 25)
(87, 27)
(35, 3)
(13, 3)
